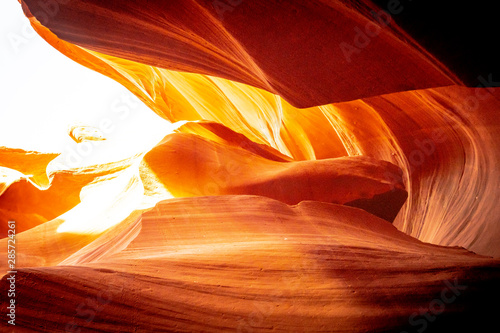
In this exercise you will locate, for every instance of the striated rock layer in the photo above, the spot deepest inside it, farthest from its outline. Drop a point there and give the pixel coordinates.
(252, 264)
(255, 215)
(309, 52)
(197, 166)
(442, 138)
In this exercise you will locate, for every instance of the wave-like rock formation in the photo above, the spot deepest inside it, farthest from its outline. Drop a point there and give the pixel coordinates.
(32, 203)
(310, 52)
(326, 174)
(249, 264)
(188, 165)
(31, 164)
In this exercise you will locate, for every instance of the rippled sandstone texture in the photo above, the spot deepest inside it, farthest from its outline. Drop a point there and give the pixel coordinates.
(256, 215)
(248, 263)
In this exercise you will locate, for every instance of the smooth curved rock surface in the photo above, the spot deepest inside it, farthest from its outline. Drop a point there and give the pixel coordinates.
(31, 164)
(267, 44)
(249, 263)
(243, 219)
(31, 204)
(425, 132)
(189, 165)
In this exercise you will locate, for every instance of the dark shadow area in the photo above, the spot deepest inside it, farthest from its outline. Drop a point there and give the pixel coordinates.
(461, 34)
(386, 205)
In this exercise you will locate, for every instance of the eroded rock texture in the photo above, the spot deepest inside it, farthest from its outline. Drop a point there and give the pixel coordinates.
(269, 207)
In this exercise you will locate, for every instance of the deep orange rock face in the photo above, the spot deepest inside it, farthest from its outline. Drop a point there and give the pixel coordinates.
(325, 174)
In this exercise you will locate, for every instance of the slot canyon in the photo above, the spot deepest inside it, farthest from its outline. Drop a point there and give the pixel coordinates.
(317, 166)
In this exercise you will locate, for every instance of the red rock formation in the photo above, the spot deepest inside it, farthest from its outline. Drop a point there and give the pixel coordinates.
(248, 217)
(248, 263)
(301, 50)
(33, 198)
(188, 165)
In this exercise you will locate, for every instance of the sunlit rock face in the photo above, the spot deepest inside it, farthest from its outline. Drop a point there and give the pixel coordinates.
(296, 143)
(80, 133)
(199, 167)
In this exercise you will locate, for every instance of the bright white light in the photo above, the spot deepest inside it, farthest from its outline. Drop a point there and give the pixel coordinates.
(43, 92)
